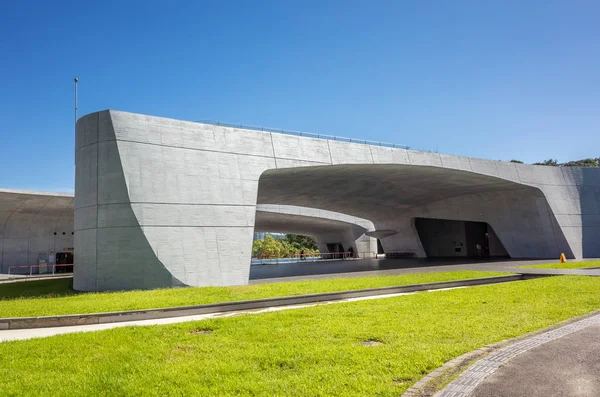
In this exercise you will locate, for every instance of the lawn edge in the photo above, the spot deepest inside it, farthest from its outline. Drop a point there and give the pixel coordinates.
(179, 311)
(439, 378)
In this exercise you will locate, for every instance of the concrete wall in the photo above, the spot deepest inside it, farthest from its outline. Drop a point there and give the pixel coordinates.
(158, 199)
(33, 223)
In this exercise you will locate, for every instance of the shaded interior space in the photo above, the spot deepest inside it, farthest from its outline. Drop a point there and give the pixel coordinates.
(64, 262)
(442, 238)
(391, 196)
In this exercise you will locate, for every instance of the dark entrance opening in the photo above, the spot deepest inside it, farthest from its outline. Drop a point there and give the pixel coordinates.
(64, 258)
(449, 238)
(336, 250)
(380, 247)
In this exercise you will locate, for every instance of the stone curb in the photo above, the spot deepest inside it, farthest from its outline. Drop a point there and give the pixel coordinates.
(426, 387)
(150, 314)
(29, 279)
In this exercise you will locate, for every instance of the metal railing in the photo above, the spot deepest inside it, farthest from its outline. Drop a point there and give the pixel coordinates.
(304, 134)
(311, 257)
(30, 270)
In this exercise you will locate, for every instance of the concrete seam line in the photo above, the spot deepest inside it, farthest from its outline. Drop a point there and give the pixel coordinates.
(147, 314)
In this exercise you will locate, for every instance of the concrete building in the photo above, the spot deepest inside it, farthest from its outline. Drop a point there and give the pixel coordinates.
(34, 228)
(162, 202)
(38, 228)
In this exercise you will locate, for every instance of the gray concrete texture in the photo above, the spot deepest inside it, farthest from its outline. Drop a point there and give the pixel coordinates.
(33, 223)
(162, 202)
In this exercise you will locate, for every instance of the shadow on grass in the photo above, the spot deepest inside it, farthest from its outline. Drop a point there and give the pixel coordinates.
(37, 289)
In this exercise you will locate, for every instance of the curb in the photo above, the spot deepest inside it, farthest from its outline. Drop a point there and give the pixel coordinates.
(33, 278)
(454, 369)
(150, 314)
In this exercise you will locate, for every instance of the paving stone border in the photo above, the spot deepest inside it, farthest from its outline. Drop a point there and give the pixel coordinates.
(495, 355)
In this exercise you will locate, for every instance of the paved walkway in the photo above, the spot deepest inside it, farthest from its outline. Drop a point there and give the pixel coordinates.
(379, 267)
(260, 274)
(22, 334)
(569, 366)
(561, 362)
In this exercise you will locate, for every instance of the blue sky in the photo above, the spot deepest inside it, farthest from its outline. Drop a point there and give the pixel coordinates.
(498, 80)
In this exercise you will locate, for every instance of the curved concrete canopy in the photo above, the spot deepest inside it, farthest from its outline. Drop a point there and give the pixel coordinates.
(33, 223)
(327, 227)
(305, 221)
(374, 188)
(156, 198)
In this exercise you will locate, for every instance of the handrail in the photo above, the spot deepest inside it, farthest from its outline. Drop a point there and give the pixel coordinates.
(304, 134)
(31, 267)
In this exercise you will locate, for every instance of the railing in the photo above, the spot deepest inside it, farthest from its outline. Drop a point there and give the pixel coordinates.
(318, 257)
(29, 272)
(306, 134)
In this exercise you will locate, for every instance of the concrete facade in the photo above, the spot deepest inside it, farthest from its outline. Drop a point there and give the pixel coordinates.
(162, 202)
(33, 224)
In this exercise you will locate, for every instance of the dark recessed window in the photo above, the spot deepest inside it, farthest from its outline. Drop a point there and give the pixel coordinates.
(64, 233)
(72, 233)
(55, 233)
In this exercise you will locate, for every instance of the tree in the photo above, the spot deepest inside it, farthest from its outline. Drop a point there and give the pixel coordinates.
(289, 246)
(583, 163)
(516, 161)
(550, 162)
(267, 248)
(301, 242)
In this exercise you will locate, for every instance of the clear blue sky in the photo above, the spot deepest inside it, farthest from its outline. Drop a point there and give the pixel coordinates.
(491, 79)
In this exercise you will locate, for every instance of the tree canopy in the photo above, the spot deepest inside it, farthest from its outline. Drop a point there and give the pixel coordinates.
(589, 162)
(289, 246)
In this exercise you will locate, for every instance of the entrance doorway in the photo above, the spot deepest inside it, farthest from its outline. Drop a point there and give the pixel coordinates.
(450, 238)
(337, 250)
(64, 258)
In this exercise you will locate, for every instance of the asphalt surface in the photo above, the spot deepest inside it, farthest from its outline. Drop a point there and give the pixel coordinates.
(379, 267)
(566, 367)
(299, 271)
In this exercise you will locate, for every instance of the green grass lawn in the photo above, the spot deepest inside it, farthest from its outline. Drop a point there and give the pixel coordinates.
(568, 265)
(314, 351)
(55, 296)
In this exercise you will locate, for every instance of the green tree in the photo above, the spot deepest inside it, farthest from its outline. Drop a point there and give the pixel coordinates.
(301, 242)
(289, 246)
(267, 248)
(516, 161)
(583, 163)
(551, 162)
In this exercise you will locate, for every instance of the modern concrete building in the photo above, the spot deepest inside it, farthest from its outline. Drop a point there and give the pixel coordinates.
(34, 228)
(162, 202)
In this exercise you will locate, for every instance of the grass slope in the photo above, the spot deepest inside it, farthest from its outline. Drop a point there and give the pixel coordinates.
(56, 298)
(305, 352)
(568, 265)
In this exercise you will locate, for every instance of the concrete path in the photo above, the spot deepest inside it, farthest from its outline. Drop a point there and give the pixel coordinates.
(22, 334)
(385, 267)
(260, 274)
(24, 279)
(561, 362)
